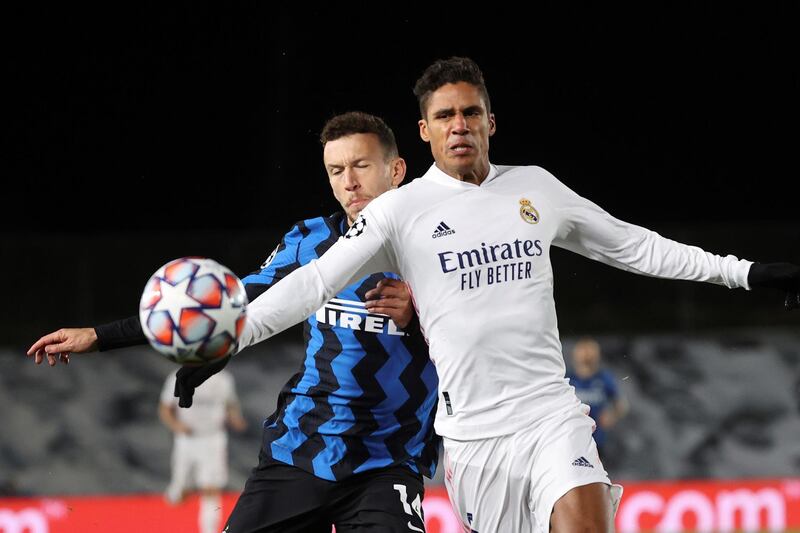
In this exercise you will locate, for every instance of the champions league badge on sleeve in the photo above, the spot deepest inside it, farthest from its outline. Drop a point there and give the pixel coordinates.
(269, 259)
(528, 213)
(357, 228)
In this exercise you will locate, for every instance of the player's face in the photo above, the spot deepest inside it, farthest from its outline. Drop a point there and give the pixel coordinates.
(359, 171)
(586, 357)
(458, 127)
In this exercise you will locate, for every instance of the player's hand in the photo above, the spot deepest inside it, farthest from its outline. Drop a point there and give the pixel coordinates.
(607, 420)
(781, 276)
(391, 297)
(189, 378)
(58, 345)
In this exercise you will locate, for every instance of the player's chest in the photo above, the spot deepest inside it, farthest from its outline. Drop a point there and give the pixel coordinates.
(483, 228)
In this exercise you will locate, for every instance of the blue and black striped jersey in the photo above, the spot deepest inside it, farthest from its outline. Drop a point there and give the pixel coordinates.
(366, 393)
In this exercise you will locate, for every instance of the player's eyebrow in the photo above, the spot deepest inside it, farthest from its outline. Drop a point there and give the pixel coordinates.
(472, 109)
(449, 111)
(353, 162)
(443, 111)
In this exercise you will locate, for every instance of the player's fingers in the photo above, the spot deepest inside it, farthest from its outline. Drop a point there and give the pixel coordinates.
(58, 347)
(44, 341)
(185, 397)
(374, 294)
(381, 310)
(385, 303)
(387, 287)
(51, 359)
(38, 357)
(182, 391)
(64, 358)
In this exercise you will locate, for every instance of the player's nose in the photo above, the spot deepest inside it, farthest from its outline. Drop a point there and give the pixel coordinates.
(350, 179)
(459, 124)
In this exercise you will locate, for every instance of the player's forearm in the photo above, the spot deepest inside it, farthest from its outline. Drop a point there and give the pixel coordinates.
(120, 333)
(587, 229)
(301, 293)
(599, 236)
(653, 255)
(285, 304)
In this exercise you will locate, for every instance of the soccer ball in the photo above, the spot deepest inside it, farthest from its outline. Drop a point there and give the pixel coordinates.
(192, 310)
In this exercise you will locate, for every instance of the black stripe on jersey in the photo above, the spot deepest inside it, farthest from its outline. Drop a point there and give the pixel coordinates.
(335, 224)
(364, 373)
(411, 378)
(417, 346)
(285, 398)
(254, 290)
(322, 412)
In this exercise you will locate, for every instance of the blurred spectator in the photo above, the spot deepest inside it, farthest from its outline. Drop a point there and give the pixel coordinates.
(597, 388)
(200, 449)
(7, 488)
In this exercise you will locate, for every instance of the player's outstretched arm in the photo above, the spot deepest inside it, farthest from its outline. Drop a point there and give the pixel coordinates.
(361, 251)
(58, 346)
(781, 276)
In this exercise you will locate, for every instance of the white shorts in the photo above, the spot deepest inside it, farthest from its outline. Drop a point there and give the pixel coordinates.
(198, 462)
(512, 482)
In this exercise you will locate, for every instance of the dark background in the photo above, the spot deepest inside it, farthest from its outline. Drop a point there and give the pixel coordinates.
(136, 135)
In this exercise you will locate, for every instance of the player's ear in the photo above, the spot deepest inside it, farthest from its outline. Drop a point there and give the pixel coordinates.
(398, 168)
(423, 130)
(492, 124)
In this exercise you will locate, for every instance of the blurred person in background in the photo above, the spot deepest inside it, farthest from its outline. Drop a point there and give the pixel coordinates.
(200, 447)
(596, 387)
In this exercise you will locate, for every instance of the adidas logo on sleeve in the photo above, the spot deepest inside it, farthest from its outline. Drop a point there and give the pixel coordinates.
(581, 461)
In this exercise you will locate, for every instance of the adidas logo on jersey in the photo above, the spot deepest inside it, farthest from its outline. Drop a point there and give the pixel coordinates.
(581, 461)
(442, 230)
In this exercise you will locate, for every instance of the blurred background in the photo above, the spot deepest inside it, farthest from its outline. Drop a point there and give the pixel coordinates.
(136, 135)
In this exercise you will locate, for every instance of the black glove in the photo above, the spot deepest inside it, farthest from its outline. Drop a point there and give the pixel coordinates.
(781, 276)
(189, 378)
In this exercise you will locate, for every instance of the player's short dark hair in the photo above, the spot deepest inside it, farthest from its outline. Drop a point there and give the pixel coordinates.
(445, 71)
(354, 122)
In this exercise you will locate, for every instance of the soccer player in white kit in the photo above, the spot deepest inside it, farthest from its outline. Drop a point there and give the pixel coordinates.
(200, 448)
(472, 240)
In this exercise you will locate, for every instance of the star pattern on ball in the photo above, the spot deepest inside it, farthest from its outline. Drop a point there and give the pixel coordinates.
(174, 299)
(224, 317)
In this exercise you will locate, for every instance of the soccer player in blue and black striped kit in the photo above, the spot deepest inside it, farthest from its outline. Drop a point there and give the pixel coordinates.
(353, 432)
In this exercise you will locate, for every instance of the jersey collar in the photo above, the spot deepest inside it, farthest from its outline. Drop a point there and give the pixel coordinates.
(436, 174)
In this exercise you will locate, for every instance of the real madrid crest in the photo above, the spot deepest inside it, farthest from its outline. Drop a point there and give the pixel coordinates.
(528, 213)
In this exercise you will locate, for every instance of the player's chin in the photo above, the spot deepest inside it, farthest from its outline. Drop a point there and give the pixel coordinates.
(353, 211)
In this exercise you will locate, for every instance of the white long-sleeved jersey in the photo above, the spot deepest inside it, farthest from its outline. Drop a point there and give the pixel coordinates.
(477, 259)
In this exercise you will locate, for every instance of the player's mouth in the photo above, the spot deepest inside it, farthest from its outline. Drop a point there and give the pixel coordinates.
(358, 202)
(461, 148)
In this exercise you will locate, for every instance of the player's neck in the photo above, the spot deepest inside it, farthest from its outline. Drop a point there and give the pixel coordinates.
(586, 372)
(476, 175)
